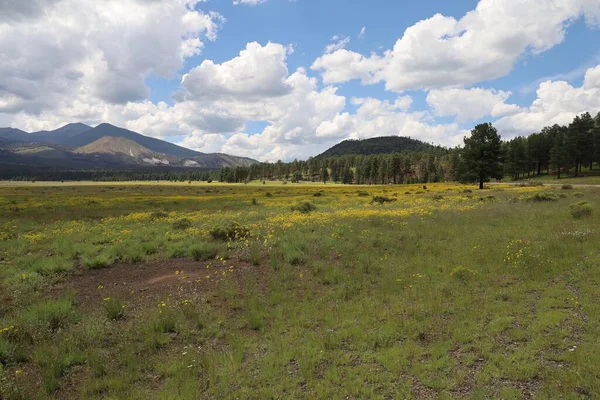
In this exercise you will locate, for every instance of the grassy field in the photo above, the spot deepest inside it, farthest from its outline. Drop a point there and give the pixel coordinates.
(195, 291)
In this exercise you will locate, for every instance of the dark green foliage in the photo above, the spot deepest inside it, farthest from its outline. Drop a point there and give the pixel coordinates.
(481, 155)
(382, 200)
(182, 224)
(304, 207)
(233, 231)
(378, 145)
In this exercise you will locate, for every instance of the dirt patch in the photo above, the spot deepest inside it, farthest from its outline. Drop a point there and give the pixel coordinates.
(144, 284)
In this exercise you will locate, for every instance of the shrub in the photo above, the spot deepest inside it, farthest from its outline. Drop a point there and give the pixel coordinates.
(580, 210)
(182, 224)
(304, 207)
(204, 252)
(158, 215)
(543, 196)
(578, 194)
(98, 261)
(567, 187)
(463, 274)
(232, 231)
(382, 200)
(113, 308)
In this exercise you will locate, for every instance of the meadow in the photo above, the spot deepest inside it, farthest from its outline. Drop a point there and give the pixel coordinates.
(193, 291)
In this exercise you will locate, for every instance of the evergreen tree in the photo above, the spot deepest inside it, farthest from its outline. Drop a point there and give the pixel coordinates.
(481, 154)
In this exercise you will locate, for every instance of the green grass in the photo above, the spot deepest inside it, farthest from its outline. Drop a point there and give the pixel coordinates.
(436, 294)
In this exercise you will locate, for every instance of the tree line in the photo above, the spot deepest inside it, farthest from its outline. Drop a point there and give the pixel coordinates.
(556, 149)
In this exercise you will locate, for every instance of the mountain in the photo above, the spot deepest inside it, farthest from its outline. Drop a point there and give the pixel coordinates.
(378, 145)
(156, 145)
(61, 135)
(13, 134)
(105, 146)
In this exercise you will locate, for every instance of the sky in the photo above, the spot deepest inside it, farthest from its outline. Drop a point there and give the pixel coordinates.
(287, 79)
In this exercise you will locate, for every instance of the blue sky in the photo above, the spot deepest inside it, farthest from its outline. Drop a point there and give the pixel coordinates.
(257, 79)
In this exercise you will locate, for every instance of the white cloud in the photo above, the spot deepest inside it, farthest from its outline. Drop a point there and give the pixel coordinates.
(557, 102)
(470, 104)
(338, 44)
(248, 2)
(257, 72)
(443, 52)
(362, 33)
(57, 51)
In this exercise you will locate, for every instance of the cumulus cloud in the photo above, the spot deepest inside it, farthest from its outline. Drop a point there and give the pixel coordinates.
(443, 52)
(55, 51)
(258, 71)
(557, 102)
(470, 104)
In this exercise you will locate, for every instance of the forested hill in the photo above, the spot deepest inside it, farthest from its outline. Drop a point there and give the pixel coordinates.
(378, 145)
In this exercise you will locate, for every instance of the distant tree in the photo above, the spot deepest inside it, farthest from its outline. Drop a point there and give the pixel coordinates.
(559, 157)
(324, 174)
(481, 154)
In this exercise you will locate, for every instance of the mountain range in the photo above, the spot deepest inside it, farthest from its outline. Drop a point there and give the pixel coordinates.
(78, 146)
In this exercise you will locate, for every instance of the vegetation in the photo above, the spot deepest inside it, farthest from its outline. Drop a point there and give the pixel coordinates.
(349, 300)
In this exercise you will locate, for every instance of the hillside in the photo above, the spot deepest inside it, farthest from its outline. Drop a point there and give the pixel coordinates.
(61, 135)
(378, 145)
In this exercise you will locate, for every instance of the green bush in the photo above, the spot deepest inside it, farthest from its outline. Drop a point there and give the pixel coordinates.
(304, 207)
(182, 224)
(233, 231)
(382, 200)
(158, 215)
(204, 252)
(463, 274)
(543, 196)
(580, 210)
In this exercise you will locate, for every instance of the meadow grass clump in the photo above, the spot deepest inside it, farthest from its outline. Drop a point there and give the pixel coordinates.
(51, 265)
(382, 200)
(578, 194)
(567, 187)
(463, 274)
(231, 232)
(114, 309)
(304, 207)
(204, 251)
(98, 261)
(182, 224)
(437, 197)
(254, 202)
(49, 314)
(318, 194)
(543, 197)
(580, 210)
(54, 361)
(269, 194)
